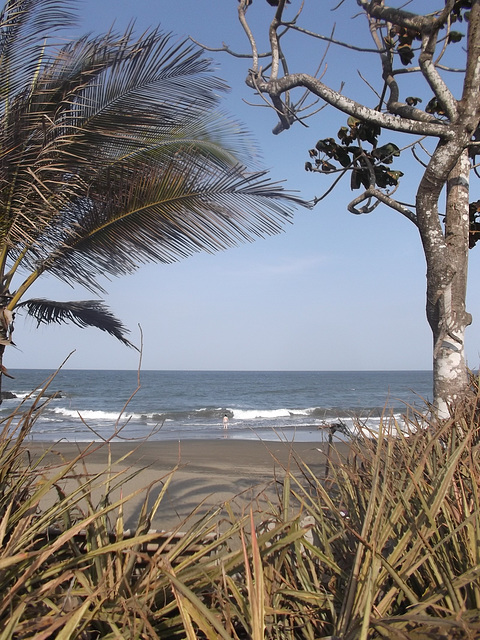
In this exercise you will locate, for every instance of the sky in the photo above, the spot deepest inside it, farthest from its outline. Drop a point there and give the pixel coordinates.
(333, 291)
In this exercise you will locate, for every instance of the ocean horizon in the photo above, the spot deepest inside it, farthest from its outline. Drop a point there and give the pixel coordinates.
(91, 405)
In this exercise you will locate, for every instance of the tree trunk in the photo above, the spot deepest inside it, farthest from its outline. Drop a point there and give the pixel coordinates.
(447, 264)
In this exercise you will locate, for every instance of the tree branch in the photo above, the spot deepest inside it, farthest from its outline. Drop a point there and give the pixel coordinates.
(394, 105)
(275, 88)
(383, 198)
(435, 81)
(242, 8)
(329, 39)
(472, 75)
(226, 49)
(423, 23)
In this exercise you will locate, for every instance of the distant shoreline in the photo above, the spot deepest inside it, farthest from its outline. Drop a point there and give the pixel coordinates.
(52, 370)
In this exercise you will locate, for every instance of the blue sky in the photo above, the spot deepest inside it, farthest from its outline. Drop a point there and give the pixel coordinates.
(332, 292)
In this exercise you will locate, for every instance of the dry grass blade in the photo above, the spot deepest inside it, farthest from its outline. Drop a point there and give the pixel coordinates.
(255, 584)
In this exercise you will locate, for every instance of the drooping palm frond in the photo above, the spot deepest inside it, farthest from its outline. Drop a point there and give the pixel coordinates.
(82, 313)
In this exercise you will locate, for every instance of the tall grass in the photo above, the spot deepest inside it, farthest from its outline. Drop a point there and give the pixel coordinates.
(386, 546)
(69, 570)
(393, 546)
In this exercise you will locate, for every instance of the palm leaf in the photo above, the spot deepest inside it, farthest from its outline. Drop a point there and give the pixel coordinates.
(102, 102)
(23, 25)
(164, 218)
(85, 313)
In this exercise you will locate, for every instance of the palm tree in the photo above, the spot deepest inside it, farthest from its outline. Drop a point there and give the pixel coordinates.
(113, 154)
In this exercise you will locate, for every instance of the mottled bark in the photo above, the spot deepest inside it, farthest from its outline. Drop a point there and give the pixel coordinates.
(446, 253)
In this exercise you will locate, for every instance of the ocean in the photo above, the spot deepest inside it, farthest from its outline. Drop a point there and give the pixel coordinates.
(183, 405)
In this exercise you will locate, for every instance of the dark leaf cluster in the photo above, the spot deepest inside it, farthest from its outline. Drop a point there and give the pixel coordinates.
(474, 235)
(434, 106)
(400, 39)
(368, 167)
(461, 10)
(413, 101)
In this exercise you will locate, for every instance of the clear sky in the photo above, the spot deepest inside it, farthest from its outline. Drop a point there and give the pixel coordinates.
(333, 292)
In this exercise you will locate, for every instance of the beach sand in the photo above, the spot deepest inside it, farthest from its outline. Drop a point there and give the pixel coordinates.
(206, 473)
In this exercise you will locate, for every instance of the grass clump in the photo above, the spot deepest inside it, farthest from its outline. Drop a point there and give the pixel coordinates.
(386, 546)
(393, 544)
(70, 570)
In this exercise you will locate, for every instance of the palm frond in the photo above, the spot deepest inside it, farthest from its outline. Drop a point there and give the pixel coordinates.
(40, 169)
(84, 313)
(164, 217)
(23, 26)
(99, 101)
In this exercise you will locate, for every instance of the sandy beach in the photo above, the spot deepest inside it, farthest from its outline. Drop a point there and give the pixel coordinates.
(206, 473)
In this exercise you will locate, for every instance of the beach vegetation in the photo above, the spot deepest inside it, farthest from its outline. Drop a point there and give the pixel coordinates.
(416, 112)
(384, 545)
(113, 153)
(70, 569)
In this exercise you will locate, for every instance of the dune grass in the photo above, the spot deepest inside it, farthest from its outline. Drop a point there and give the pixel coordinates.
(386, 546)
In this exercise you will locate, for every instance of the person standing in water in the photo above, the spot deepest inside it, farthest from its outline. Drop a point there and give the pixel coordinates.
(225, 421)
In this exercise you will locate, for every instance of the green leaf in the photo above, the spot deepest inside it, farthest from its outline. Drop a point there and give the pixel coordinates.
(355, 180)
(344, 135)
(341, 155)
(386, 152)
(327, 166)
(325, 145)
(455, 36)
(405, 53)
(413, 101)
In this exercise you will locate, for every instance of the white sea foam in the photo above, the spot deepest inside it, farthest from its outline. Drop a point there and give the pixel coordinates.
(90, 414)
(258, 414)
(392, 425)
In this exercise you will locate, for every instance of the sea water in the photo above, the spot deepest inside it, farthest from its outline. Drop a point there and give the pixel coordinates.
(86, 405)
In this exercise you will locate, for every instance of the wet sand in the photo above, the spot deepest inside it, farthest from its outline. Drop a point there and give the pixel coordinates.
(206, 473)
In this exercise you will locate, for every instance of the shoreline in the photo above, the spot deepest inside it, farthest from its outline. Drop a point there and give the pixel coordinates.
(206, 473)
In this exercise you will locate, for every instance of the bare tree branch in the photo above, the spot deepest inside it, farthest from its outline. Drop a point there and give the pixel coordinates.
(379, 196)
(431, 127)
(242, 8)
(406, 19)
(437, 85)
(329, 39)
(226, 49)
